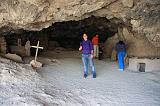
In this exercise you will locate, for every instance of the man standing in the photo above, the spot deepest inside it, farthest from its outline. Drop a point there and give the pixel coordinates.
(87, 55)
(95, 42)
(121, 53)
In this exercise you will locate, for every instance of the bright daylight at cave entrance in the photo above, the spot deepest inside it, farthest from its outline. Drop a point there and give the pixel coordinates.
(79, 52)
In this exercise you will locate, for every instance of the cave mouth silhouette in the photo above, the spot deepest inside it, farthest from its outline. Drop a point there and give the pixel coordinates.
(69, 34)
(66, 34)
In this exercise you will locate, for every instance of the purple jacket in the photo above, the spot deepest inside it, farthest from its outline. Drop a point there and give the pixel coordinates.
(87, 47)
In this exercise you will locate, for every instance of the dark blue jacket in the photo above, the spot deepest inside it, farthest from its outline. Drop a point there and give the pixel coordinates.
(120, 47)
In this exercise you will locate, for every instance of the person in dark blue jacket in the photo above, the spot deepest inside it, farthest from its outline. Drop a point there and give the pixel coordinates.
(121, 53)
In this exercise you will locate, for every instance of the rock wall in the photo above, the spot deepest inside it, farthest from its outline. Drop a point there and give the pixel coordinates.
(3, 45)
(38, 14)
(137, 46)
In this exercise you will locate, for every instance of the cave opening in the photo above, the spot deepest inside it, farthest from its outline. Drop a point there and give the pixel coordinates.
(69, 34)
(66, 35)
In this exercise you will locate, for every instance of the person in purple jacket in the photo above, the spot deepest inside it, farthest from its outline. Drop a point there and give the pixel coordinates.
(86, 47)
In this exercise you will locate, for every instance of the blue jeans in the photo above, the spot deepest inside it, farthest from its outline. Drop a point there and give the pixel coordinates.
(87, 60)
(121, 56)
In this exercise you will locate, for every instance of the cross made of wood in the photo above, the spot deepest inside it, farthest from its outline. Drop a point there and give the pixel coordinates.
(37, 47)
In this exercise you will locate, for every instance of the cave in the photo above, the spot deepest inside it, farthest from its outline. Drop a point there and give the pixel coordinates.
(43, 64)
(137, 25)
(67, 35)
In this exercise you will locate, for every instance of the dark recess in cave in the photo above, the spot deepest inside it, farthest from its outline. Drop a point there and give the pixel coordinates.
(69, 34)
(66, 34)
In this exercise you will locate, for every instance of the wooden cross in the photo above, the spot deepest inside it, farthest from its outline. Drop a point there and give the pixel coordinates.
(37, 47)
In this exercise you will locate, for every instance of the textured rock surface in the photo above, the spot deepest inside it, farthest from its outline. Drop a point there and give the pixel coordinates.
(110, 45)
(138, 46)
(128, 3)
(38, 14)
(3, 46)
(14, 57)
(147, 16)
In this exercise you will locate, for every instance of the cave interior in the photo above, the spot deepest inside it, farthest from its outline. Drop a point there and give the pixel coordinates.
(61, 34)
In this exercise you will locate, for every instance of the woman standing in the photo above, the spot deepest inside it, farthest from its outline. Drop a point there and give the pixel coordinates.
(87, 55)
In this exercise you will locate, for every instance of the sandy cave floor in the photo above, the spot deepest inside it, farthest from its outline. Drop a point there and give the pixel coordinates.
(111, 87)
(60, 83)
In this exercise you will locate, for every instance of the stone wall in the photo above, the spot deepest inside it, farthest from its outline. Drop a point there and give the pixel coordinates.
(149, 64)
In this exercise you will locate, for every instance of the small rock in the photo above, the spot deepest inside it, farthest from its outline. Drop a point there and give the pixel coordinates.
(55, 61)
(127, 3)
(135, 23)
(35, 64)
(14, 57)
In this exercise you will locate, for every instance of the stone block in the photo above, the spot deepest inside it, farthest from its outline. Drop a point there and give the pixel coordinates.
(145, 64)
(14, 57)
(35, 64)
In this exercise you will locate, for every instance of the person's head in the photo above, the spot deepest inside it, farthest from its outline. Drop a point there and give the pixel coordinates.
(85, 36)
(97, 35)
(121, 42)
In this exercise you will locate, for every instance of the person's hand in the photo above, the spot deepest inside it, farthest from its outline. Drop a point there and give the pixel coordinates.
(80, 48)
(92, 56)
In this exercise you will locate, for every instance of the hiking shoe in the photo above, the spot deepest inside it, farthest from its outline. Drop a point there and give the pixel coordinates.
(85, 75)
(94, 75)
(121, 69)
